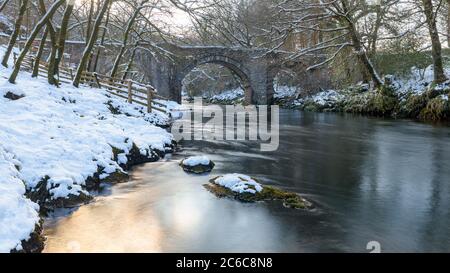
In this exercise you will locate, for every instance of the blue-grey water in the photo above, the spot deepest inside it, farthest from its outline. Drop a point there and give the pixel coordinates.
(370, 180)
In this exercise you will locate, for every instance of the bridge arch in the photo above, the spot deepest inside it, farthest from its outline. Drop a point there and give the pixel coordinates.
(255, 68)
(233, 65)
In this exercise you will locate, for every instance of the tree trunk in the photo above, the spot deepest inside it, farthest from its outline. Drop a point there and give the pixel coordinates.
(52, 34)
(102, 41)
(53, 68)
(2, 7)
(88, 28)
(37, 60)
(90, 45)
(448, 23)
(15, 34)
(125, 38)
(436, 49)
(89, 22)
(42, 22)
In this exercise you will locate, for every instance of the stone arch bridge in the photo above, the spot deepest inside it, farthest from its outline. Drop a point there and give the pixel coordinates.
(255, 68)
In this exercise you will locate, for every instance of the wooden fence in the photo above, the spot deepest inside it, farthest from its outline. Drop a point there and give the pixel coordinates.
(132, 91)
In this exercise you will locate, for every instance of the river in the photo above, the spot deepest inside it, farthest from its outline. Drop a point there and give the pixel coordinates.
(370, 179)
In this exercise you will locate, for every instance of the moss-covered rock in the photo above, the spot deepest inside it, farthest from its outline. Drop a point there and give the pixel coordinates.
(289, 199)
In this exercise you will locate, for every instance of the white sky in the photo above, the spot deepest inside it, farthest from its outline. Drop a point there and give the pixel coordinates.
(179, 18)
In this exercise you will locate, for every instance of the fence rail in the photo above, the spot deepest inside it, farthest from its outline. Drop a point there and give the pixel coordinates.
(132, 91)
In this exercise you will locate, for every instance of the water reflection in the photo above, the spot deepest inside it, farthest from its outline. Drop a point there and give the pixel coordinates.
(372, 180)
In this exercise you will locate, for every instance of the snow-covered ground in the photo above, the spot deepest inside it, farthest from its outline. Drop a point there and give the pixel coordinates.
(66, 134)
(416, 82)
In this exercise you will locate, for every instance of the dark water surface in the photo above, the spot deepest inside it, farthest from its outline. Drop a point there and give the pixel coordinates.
(371, 180)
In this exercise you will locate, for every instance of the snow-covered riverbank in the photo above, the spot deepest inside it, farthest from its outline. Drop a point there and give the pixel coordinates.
(411, 96)
(58, 143)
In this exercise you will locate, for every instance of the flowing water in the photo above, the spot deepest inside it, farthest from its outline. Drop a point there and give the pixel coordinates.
(370, 180)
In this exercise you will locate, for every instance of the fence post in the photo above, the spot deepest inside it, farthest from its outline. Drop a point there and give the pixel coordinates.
(71, 73)
(97, 81)
(149, 99)
(130, 94)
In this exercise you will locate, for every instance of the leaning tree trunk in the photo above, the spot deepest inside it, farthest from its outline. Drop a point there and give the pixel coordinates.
(38, 57)
(359, 49)
(3, 6)
(55, 61)
(42, 22)
(88, 28)
(125, 39)
(52, 34)
(436, 49)
(90, 45)
(102, 41)
(15, 34)
(130, 63)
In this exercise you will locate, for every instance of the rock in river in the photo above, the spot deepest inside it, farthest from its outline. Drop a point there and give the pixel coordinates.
(197, 164)
(247, 189)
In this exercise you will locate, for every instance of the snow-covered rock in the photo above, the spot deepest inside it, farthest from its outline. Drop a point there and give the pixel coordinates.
(196, 160)
(197, 164)
(239, 183)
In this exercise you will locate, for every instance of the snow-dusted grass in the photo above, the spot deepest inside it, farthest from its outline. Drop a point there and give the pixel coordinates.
(239, 183)
(66, 134)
